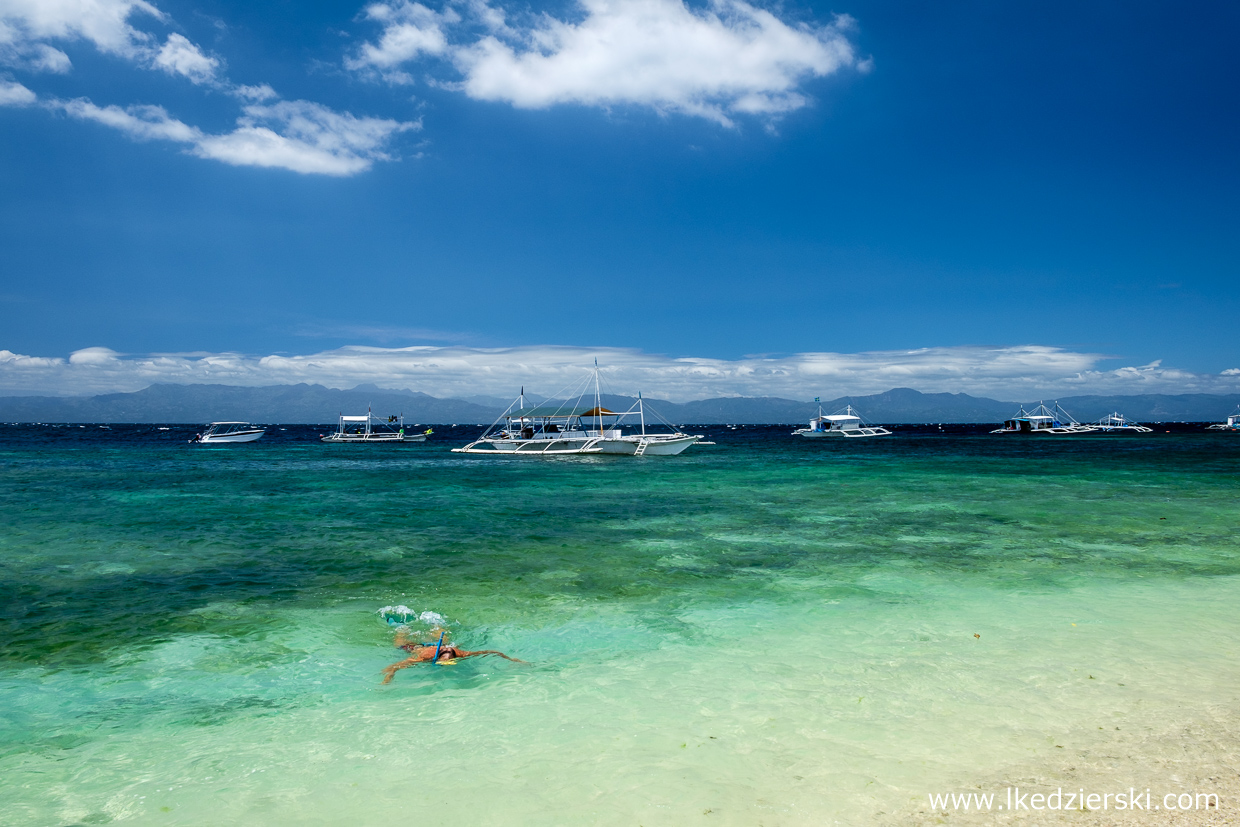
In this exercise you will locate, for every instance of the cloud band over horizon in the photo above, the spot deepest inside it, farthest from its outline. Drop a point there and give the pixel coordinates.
(1019, 373)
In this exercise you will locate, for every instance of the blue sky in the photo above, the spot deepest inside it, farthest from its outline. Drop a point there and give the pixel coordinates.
(982, 197)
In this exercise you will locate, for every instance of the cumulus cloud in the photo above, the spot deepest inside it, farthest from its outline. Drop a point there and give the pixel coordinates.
(14, 94)
(26, 24)
(296, 135)
(140, 122)
(181, 57)
(728, 59)
(301, 136)
(410, 30)
(1015, 373)
(261, 92)
(304, 137)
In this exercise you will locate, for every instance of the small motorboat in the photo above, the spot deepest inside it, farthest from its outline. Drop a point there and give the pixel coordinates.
(218, 432)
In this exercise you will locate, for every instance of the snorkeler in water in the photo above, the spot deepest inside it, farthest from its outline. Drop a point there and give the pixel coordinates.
(438, 650)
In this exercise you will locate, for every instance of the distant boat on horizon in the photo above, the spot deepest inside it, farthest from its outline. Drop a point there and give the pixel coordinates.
(361, 429)
(846, 423)
(1043, 420)
(556, 429)
(1117, 422)
(221, 432)
(1232, 423)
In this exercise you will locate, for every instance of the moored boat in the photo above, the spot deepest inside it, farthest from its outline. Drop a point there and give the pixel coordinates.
(1043, 420)
(846, 423)
(1232, 423)
(557, 429)
(1117, 422)
(373, 429)
(221, 432)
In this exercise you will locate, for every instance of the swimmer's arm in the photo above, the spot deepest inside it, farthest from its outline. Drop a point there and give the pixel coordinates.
(461, 653)
(389, 672)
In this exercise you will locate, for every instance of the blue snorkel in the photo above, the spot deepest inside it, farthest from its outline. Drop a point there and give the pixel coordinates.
(437, 647)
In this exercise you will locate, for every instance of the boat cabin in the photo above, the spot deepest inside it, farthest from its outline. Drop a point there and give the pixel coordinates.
(1030, 423)
(558, 422)
(836, 422)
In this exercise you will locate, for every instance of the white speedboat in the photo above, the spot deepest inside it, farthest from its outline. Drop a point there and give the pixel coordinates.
(1232, 423)
(218, 432)
(373, 429)
(1044, 420)
(845, 423)
(1117, 422)
(557, 429)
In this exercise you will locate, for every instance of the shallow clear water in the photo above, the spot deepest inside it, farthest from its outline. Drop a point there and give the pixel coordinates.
(777, 630)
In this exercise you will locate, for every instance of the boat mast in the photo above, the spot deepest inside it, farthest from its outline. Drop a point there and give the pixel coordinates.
(598, 400)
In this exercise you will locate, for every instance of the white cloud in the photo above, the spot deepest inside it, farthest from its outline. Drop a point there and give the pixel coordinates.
(410, 30)
(1021, 373)
(27, 25)
(104, 23)
(295, 135)
(181, 57)
(261, 92)
(728, 59)
(93, 356)
(301, 136)
(140, 122)
(310, 138)
(14, 94)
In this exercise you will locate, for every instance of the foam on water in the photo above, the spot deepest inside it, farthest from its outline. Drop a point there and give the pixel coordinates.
(403, 614)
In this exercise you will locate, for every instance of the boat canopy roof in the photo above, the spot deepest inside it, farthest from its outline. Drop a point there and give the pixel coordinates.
(355, 418)
(841, 418)
(229, 423)
(547, 411)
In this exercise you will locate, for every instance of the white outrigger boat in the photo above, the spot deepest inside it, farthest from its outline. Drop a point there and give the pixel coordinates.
(1044, 420)
(845, 423)
(557, 430)
(360, 429)
(219, 432)
(1232, 423)
(1117, 422)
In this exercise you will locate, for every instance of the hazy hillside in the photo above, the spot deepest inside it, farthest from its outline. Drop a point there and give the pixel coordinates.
(315, 404)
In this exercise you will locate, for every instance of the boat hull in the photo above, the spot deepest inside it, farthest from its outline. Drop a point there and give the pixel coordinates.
(531, 447)
(1065, 430)
(374, 438)
(843, 433)
(244, 436)
(655, 446)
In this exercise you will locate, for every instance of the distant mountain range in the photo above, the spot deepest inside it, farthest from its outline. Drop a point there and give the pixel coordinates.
(315, 404)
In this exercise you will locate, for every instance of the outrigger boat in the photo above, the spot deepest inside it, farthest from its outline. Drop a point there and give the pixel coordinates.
(845, 423)
(218, 432)
(361, 429)
(1117, 422)
(557, 430)
(1232, 423)
(1044, 420)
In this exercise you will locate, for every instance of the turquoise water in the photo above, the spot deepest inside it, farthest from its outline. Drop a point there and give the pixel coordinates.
(775, 630)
